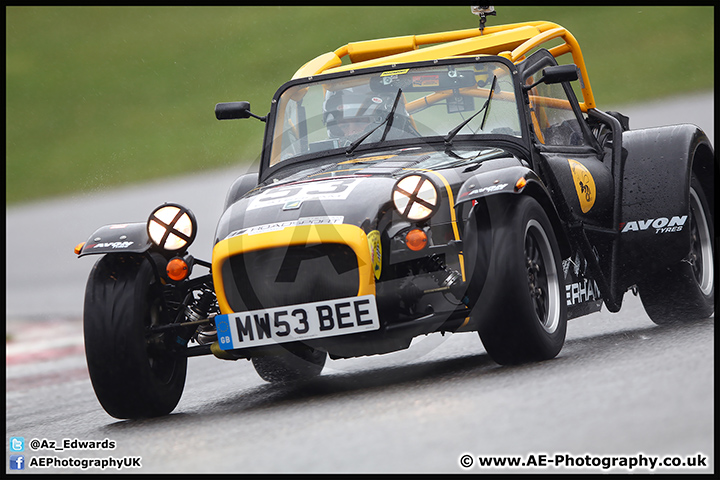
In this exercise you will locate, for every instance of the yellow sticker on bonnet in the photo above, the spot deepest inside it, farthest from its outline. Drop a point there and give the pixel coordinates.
(394, 72)
(584, 185)
(375, 252)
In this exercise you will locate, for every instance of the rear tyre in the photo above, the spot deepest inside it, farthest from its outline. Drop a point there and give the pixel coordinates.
(520, 305)
(134, 374)
(686, 290)
(290, 366)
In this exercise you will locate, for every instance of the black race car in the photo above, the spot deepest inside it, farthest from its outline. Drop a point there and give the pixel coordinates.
(457, 187)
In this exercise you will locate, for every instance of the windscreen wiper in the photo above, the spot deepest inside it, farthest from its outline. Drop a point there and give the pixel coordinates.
(451, 134)
(388, 121)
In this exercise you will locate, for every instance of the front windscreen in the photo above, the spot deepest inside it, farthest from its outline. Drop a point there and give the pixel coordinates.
(406, 103)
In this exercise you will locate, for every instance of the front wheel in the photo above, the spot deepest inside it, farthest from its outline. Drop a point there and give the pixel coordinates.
(686, 290)
(520, 302)
(134, 374)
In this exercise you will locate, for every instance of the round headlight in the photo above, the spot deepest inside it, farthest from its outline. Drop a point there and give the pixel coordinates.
(172, 227)
(415, 197)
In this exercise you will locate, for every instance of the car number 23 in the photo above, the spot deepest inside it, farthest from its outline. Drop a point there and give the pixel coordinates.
(338, 189)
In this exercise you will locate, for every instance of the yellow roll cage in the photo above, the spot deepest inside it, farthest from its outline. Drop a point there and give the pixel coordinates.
(512, 41)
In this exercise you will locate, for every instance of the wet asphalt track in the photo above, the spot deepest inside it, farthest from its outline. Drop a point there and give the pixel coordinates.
(620, 387)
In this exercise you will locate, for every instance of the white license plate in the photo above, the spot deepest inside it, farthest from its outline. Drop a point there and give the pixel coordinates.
(292, 323)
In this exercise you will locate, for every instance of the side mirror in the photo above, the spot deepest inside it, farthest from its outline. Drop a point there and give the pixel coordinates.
(560, 73)
(233, 110)
(556, 74)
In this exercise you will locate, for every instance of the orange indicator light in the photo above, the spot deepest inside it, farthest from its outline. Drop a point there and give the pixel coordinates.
(79, 247)
(177, 269)
(520, 183)
(416, 239)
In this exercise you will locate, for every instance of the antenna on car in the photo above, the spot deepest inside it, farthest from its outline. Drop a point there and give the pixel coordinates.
(482, 12)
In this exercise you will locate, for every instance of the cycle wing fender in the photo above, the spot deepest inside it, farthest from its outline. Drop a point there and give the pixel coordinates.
(117, 238)
(513, 180)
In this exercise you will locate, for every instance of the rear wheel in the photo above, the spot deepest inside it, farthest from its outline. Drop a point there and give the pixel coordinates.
(290, 366)
(520, 303)
(686, 291)
(133, 373)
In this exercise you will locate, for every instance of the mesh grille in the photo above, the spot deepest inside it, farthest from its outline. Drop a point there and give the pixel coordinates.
(290, 275)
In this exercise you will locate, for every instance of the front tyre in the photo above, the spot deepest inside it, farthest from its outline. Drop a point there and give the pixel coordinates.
(134, 374)
(521, 309)
(686, 290)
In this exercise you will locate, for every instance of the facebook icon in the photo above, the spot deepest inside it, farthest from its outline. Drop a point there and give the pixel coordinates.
(17, 462)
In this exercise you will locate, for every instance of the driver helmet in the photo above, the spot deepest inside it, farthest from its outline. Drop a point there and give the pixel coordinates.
(352, 110)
